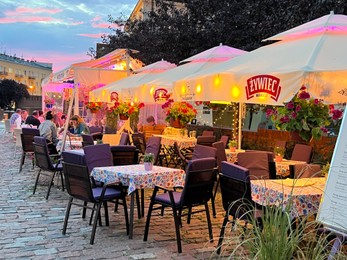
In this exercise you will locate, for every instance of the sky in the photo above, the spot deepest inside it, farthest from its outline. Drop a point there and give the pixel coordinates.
(56, 31)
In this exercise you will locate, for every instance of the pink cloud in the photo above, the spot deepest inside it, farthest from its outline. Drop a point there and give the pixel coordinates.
(91, 35)
(96, 18)
(20, 10)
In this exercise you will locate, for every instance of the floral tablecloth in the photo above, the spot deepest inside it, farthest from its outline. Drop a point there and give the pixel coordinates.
(282, 168)
(71, 143)
(136, 177)
(183, 142)
(305, 197)
(232, 156)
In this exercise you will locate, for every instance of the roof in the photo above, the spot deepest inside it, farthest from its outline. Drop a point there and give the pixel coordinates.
(31, 63)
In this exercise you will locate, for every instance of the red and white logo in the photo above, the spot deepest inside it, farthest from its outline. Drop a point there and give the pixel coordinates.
(261, 85)
(161, 94)
(114, 97)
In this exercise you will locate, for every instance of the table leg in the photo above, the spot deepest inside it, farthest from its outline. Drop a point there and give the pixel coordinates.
(131, 224)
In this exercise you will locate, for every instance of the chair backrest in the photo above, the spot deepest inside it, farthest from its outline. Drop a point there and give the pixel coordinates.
(256, 162)
(302, 152)
(95, 129)
(87, 139)
(32, 131)
(74, 157)
(305, 170)
(221, 155)
(27, 138)
(235, 189)
(139, 142)
(205, 140)
(207, 133)
(153, 146)
(124, 139)
(98, 155)
(149, 131)
(7, 126)
(97, 136)
(178, 151)
(42, 158)
(124, 155)
(77, 181)
(17, 134)
(199, 182)
(202, 151)
(225, 140)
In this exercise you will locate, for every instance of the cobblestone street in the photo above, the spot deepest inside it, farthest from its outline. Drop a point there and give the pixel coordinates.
(31, 226)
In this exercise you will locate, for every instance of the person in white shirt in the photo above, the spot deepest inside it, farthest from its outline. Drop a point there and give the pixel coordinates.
(16, 119)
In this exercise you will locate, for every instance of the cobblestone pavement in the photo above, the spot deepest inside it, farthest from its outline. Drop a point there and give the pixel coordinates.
(31, 226)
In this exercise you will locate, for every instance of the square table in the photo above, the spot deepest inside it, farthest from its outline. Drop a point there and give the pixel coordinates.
(183, 142)
(306, 194)
(135, 177)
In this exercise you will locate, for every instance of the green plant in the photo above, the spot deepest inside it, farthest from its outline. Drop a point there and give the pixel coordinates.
(309, 116)
(279, 150)
(148, 157)
(232, 143)
(182, 111)
(325, 169)
(127, 108)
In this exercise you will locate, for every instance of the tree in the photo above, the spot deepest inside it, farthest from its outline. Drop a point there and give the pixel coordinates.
(174, 35)
(12, 92)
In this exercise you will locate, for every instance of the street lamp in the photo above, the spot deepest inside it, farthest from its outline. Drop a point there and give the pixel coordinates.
(31, 89)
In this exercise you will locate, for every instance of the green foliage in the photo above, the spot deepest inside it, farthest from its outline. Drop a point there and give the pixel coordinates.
(177, 34)
(232, 143)
(148, 157)
(12, 92)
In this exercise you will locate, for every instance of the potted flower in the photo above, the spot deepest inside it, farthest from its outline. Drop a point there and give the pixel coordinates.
(127, 109)
(148, 160)
(49, 101)
(303, 114)
(232, 145)
(179, 114)
(279, 153)
(94, 107)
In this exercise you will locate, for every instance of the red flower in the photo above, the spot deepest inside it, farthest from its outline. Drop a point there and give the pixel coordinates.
(303, 95)
(290, 105)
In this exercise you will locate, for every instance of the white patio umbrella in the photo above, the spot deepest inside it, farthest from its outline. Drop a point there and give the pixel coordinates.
(145, 74)
(165, 81)
(274, 73)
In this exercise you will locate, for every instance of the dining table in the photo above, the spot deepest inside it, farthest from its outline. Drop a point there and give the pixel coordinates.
(136, 178)
(232, 155)
(304, 195)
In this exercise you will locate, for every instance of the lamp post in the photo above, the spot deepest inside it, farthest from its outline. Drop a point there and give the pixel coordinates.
(31, 89)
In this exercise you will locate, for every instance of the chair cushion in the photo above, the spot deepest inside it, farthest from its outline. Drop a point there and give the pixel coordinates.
(165, 198)
(109, 194)
(58, 166)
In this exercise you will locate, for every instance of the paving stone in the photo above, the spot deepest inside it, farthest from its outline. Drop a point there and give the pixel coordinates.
(31, 226)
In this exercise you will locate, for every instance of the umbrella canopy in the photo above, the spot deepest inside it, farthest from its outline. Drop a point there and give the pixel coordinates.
(330, 22)
(120, 88)
(218, 53)
(274, 73)
(164, 82)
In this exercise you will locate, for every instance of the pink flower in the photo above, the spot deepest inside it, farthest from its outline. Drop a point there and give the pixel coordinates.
(324, 130)
(316, 101)
(304, 95)
(293, 115)
(303, 87)
(269, 112)
(290, 105)
(297, 108)
(284, 119)
(337, 114)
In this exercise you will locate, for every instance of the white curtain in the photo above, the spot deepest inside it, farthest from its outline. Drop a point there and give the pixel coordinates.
(154, 110)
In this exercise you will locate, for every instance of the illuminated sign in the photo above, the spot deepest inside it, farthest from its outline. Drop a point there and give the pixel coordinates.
(263, 85)
(161, 94)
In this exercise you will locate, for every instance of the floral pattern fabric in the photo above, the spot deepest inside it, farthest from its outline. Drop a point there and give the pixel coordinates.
(183, 142)
(282, 168)
(136, 177)
(232, 156)
(305, 199)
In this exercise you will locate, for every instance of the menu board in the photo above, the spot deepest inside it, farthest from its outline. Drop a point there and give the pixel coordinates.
(333, 208)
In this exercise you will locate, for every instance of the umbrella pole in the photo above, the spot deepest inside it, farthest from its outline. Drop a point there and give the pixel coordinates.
(239, 136)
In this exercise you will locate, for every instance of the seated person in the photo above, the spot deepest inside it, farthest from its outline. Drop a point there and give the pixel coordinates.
(79, 126)
(16, 119)
(48, 129)
(33, 119)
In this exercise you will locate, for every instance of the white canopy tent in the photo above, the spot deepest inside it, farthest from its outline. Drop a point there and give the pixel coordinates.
(92, 74)
(121, 87)
(165, 81)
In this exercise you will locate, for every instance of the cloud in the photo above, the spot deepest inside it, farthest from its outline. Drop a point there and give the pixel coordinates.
(92, 35)
(26, 15)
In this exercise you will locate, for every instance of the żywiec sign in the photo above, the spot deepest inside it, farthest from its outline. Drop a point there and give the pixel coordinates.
(161, 94)
(261, 85)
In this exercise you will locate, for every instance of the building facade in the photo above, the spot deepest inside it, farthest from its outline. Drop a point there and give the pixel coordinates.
(29, 73)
